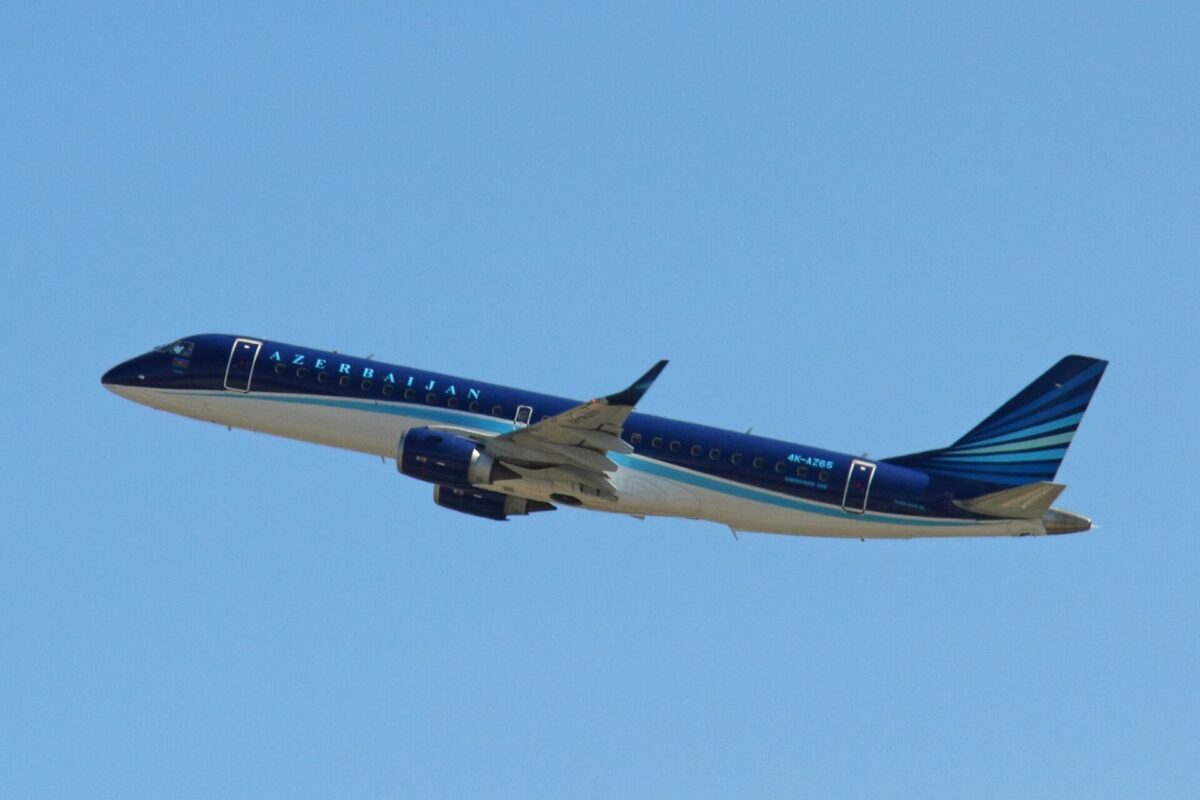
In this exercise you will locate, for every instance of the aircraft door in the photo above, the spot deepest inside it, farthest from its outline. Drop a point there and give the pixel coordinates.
(523, 416)
(858, 485)
(242, 359)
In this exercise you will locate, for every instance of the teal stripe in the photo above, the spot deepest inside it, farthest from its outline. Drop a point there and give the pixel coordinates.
(1036, 429)
(746, 492)
(1028, 444)
(1034, 455)
(490, 424)
(638, 464)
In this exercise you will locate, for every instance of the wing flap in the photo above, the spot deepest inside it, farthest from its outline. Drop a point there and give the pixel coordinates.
(583, 481)
(542, 453)
(601, 441)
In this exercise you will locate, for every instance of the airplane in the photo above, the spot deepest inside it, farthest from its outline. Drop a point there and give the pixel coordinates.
(496, 452)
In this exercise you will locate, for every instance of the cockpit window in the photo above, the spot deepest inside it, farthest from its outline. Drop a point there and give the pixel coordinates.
(180, 349)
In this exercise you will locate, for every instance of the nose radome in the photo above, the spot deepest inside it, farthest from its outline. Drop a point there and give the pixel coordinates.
(128, 373)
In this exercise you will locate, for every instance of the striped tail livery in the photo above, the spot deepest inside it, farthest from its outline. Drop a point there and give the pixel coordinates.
(1025, 440)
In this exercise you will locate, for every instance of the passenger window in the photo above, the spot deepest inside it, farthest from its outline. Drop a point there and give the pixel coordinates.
(388, 388)
(759, 462)
(431, 398)
(697, 449)
(322, 377)
(736, 458)
(474, 406)
(366, 386)
(714, 454)
(824, 475)
(497, 411)
(344, 380)
(280, 369)
(301, 372)
(635, 438)
(410, 394)
(780, 466)
(801, 471)
(452, 402)
(656, 441)
(676, 446)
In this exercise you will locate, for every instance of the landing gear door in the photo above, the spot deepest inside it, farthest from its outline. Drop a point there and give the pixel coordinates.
(242, 359)
(858, 486)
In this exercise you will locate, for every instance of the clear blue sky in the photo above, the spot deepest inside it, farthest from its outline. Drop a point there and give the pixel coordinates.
(862, 228)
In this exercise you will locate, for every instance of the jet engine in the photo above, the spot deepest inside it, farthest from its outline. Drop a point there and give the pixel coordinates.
(458, 466)
(443, 458)
(482, 503)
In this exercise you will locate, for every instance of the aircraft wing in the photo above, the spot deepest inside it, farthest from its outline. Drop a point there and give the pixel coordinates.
(573, 446)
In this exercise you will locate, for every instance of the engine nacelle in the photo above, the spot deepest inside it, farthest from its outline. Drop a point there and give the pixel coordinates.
(482, 503)
(446, 459)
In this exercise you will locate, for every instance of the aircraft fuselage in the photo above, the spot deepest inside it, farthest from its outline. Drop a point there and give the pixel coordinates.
(675, 468)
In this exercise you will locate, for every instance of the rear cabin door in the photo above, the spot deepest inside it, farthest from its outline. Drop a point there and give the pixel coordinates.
(858, 485)
(242, 358)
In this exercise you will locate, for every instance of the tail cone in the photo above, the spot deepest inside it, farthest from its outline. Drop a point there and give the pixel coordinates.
(1058, 521)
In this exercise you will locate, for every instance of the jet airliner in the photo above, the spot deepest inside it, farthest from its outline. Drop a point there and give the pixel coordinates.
(495, 452)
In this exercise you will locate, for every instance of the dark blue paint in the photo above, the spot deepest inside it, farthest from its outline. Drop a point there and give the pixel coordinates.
(921, 485)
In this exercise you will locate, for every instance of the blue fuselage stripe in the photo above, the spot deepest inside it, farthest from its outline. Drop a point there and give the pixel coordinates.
(641, 463)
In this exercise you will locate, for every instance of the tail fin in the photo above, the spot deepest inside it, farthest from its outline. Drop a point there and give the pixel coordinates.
(1025, 440)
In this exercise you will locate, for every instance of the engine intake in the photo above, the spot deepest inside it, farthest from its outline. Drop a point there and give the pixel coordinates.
(443, 458)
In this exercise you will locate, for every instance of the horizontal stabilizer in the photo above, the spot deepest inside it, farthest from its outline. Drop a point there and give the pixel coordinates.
(1030, 501)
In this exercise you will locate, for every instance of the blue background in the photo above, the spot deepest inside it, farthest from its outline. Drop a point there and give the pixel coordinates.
(861, 228)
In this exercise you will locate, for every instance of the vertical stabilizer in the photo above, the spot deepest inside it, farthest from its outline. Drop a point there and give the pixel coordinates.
(1025, 440)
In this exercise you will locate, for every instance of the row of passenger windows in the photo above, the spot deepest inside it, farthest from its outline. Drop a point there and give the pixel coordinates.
(432, 398)
(389, 389)
(714, 454)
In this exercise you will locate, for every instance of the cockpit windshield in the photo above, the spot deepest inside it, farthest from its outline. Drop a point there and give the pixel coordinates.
(180, 349)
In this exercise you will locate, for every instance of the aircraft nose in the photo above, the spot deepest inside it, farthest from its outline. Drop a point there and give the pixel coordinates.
(127, 373)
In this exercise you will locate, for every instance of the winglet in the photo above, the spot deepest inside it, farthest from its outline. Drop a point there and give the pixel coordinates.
(631, 396)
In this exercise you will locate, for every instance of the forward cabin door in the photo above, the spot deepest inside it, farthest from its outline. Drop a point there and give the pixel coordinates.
(858, 485)
(242, 359)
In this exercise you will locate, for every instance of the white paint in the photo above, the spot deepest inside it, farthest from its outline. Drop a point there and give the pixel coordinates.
(375, 427)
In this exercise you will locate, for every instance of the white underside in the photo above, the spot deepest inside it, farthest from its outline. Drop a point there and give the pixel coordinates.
(645, 487)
